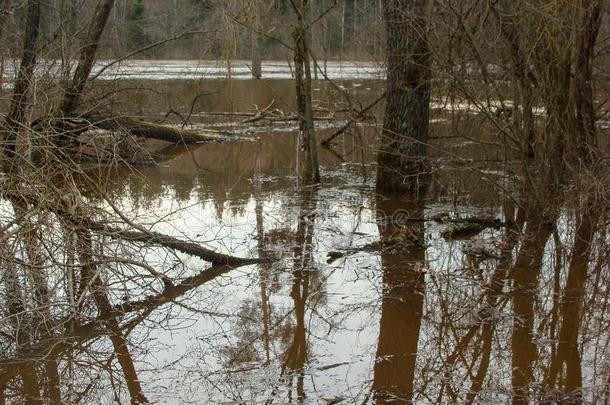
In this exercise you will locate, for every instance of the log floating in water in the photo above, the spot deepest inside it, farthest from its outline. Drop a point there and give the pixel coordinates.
(146, 129)
(71, 127)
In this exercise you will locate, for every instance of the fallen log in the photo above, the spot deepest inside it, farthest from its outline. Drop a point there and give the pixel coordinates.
(69, 128)
(146, 129)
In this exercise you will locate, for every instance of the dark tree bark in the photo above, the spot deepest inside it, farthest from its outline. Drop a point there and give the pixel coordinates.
(28, 62)
(257, 68)
(4, 10)
(87, 57)
(348, 14)
(504, 12)
(18, 107)
(583, 81)
(402, 158)
(309, 171)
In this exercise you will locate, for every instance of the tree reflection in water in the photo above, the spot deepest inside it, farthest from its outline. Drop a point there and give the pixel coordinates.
(464, 363)
(517, 313)
(296, 354)
(402, 266)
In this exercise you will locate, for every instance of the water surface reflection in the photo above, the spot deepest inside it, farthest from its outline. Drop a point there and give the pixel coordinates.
(372, 299)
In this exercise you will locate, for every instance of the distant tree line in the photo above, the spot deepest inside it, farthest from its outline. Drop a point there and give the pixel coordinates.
(350, 29)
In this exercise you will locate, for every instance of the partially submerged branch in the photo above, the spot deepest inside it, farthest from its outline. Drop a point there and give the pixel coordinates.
(140, 235)
(359, 115)
(159, 239)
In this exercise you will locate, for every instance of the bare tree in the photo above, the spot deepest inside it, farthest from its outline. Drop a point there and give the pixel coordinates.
(19, 103)
(309, 171)
(87, 57)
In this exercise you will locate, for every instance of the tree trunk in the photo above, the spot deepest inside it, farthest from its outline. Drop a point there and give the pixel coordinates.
(257, 68)
(307, 155)
(504, 13)
(87, 57)
(139, 128)
(24, 78)
(402, 158)
(586, 137)
(28, 62)
(4, 11)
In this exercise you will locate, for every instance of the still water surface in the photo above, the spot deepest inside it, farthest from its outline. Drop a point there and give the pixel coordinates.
(370, 299)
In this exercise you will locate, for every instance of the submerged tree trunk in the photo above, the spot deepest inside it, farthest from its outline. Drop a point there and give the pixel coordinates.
(402, 158)
(87, 57)
(307, 156)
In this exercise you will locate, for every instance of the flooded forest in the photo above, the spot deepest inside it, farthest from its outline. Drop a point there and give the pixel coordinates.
(304, 201)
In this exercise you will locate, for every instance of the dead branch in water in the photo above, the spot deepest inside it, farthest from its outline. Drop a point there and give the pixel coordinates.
(260, 114)
(142, 235)
(155, 238)
(359, 115)
(269, 116)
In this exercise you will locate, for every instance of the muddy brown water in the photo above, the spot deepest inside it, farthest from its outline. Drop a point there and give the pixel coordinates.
(369, 300)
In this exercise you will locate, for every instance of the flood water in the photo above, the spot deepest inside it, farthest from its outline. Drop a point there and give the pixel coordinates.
(369, 298)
